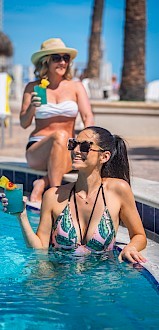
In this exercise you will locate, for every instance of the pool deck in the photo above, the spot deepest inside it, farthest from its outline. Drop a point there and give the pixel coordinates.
(143, 152)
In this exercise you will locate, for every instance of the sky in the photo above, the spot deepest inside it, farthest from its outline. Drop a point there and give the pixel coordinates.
(29, 22)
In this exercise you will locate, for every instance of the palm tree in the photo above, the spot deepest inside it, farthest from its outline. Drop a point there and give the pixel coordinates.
(133, 72)
(94, 57)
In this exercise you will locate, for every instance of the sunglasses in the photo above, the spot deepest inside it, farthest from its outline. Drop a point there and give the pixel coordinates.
(85, 146)
(58, 58)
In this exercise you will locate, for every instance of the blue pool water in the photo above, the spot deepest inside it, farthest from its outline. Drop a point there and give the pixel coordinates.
(40, 290)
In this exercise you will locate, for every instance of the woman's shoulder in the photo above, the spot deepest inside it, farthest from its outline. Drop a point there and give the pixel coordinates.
(59, 193)
(74, 83)
(119, 186)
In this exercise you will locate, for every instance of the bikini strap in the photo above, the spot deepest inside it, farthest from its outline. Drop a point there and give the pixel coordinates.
(103, 196)
(71, 193)
(77, 216)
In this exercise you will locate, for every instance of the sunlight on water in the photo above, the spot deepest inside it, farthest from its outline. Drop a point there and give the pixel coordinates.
(60, 291)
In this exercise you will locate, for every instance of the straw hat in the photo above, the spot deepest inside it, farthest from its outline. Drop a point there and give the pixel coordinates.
(52, 46)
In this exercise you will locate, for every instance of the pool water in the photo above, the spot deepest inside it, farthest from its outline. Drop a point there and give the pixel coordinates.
(40, 290)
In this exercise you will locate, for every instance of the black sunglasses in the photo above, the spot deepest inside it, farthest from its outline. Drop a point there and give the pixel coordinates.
(85, 146)
(58, 58)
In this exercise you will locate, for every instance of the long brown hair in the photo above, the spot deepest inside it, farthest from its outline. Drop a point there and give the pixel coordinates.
(118, 164)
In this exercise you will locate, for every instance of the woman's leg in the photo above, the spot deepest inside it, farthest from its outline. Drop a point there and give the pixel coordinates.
(49, 154)
(39, 186)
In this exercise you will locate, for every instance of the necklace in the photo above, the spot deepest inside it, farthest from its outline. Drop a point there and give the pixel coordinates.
(85, 198)
(90, 218)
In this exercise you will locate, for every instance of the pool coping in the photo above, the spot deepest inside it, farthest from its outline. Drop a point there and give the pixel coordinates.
(20, 164)
(145, 191)
(150, 252)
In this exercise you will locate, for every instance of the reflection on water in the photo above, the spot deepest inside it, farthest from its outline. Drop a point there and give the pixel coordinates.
(61, 291)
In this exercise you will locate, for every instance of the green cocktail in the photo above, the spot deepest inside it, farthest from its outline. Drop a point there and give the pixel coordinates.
(15, 199)
(41, 93)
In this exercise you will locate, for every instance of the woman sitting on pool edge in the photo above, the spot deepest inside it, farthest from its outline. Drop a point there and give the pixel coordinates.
(46, 149)
(85, 215)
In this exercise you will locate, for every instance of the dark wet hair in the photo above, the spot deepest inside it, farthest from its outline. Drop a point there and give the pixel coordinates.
(118, 164)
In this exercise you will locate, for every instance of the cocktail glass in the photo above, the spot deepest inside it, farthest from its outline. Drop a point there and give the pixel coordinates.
(41, 93)
(15, 199)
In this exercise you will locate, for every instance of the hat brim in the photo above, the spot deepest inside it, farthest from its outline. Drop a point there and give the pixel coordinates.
(41, 53)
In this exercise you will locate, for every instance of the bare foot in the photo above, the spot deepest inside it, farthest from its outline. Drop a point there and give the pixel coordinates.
(38, 189)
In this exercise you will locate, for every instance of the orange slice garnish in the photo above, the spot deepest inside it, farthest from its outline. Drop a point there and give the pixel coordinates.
(10, 186)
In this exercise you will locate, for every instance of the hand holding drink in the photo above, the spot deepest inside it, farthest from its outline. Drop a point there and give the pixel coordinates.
(14, 195)
(41, 90)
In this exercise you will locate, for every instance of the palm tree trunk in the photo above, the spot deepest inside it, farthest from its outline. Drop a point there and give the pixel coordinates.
(133, 73)
(94, 57)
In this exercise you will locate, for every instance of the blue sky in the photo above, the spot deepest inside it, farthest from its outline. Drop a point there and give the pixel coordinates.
(28, 23)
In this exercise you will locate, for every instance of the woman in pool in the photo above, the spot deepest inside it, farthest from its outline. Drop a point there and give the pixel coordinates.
(85, 215)
(54, 121)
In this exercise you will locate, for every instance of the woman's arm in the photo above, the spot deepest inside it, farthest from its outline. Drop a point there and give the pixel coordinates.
(40, 239)
(29, 103)
(131, 219)
(84, 105)
(30, 237)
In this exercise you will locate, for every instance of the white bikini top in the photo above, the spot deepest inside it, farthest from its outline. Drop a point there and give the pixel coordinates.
(65, 108)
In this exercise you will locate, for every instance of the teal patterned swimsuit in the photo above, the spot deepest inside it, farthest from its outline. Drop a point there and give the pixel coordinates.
(64, 234)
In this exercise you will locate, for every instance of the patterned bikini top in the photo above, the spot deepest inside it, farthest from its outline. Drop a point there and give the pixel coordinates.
(64, 234)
